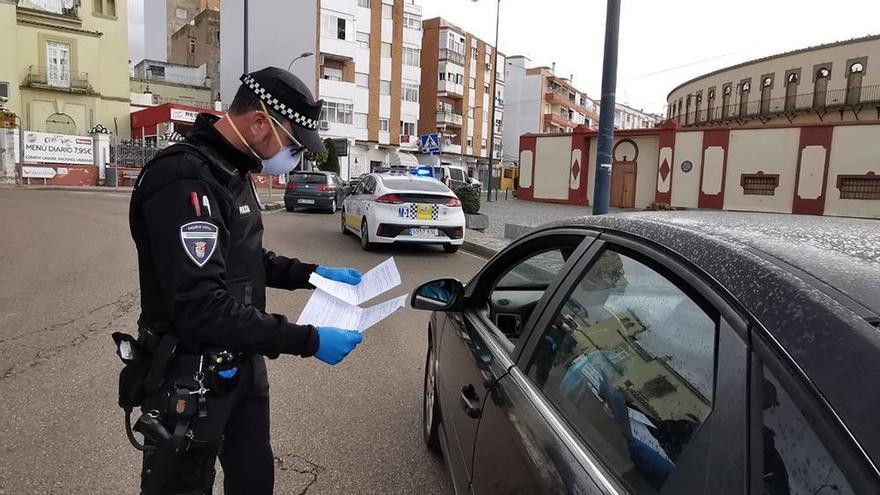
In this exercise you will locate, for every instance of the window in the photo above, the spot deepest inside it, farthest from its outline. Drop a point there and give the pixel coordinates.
(791, 454)
(332, 73)
(411, 92)
(759, 184)
(442, 76)
(385, 88)
(408, 128)
(362, 80)
(180, 13)
(629, 361)
(791, 84)
(411, 56)
(473, 83)
(766, 88)
(58, 64)
(364, 3)
(99, 6)
(192, 45)
(111, 8)
(363, 39)
(383, 125)
(412, 21)
(474, 53)
(854, 83)
(340, 29)
(4, 89)
(859, 186)
(744, 89)
(486, 88)
(387, 11)
(338, 113)
(218, 35)
(60, 123)
(470, 142)
(820, 89)
(360, 119)
(459, 78)
(386, 49)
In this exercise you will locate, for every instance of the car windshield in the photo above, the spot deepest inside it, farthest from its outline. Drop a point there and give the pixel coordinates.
(310, 178)
(415, 185)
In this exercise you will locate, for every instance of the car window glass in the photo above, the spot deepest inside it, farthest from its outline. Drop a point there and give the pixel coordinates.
(629, 362)
(306, 178)
(456, 174)
(519, 290)
(794, 459)
(369, 185)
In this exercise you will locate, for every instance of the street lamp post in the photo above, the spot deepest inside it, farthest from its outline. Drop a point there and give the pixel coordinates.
(301, 55)
(601, 190)
(492, 99)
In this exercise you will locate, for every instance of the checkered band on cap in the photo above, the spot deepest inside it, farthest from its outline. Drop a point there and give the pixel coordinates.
(277, 105)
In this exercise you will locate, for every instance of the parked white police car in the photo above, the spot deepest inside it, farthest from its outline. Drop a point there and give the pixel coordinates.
(401, 208)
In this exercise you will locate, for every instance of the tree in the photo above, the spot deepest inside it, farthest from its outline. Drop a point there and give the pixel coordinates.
(331, 164)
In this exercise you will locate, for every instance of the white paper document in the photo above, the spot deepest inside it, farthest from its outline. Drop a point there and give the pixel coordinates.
(324, 310)
(380, 279)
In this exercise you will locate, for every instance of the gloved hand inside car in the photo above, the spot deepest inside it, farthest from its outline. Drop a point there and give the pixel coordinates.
(334, 344)
(348, 276)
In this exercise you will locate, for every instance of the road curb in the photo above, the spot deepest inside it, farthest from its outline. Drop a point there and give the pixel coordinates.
(478, 249)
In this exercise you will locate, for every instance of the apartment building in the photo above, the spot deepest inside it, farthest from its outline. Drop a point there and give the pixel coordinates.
(457, 81)
(539, 101)
(163, 18)
(627, 117)
(197, 43)
(63, 65)
(154, 82)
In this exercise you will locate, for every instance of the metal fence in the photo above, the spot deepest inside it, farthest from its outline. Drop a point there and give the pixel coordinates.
(132, 153)
(768, 107)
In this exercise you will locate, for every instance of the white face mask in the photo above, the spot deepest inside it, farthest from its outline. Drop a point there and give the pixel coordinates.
(287, 158)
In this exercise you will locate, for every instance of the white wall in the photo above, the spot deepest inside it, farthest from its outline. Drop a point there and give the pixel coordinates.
(522, 105)
(686, 185)
(854, 151)
(772, 151)
(552, 162)
(272, 24)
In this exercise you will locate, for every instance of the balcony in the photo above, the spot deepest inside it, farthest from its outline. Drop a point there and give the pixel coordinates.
(55, 7)
(560, 98)
(782, 106)
(40, 77)
(451, 56)
(452, 148)
(558, 121)
(450, 89)
(448, 118)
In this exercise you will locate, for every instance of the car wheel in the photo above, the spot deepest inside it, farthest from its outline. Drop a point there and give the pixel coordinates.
(430, 406)
(366, 245)
(345, 230)
(450, 248)
(332, 207)
(289, 208)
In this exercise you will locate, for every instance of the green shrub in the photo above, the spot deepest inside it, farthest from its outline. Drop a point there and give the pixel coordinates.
(470, 199)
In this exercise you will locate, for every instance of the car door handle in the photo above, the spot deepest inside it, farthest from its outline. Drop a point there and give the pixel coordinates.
(469, 401)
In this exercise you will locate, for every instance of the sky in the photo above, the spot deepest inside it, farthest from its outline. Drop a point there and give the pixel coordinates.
(662, 42)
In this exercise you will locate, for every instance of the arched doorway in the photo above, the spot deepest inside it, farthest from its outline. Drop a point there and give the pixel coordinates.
(623, 174)
(854, 83)
(60, 123)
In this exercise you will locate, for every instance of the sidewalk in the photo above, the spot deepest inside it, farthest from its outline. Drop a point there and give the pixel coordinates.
(519, 217)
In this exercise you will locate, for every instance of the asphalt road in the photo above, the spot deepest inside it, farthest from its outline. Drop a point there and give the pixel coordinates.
(70, 278)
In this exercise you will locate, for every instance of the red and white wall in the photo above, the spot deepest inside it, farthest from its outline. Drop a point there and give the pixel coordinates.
(704, 168)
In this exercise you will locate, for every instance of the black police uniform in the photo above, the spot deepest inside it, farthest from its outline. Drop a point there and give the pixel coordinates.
(195, 219)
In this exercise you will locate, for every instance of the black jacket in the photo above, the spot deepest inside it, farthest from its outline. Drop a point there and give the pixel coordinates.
(197, 226)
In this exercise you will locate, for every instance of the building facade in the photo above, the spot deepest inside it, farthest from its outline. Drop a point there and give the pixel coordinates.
(457, 82)
(365, 66)
(64, 69)
(198, 43)
(835, 82)
(627, 117)
(163, 18)
(155, 83)
(538, 101)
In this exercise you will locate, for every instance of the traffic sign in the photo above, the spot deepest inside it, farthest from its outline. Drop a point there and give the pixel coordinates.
(429, 143)
(37, 172)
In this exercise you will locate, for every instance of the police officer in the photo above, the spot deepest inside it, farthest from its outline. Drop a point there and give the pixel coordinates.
(195, 220)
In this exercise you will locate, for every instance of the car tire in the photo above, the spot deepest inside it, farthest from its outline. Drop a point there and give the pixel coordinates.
(332, 209)
(450, 248)
(366, 245)
(289, 208)
(342, 223)
(430, 406)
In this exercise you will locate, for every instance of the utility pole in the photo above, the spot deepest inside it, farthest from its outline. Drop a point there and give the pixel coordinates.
(601, 191)
(492, 99)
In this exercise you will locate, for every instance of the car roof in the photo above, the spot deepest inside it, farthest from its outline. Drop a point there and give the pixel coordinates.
(415, 179)
(322, 172)
(812, 282)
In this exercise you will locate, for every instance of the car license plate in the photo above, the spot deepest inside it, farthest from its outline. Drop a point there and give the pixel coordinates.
(423, 232)
(423, 212)
(306, 201)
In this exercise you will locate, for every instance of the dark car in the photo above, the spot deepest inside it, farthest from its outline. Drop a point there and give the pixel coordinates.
(665, 352)
(324, 190)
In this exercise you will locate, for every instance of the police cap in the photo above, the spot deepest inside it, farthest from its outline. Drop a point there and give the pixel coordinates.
(289, 97)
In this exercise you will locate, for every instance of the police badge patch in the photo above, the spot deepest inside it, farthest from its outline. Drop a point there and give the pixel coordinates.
(199, 241)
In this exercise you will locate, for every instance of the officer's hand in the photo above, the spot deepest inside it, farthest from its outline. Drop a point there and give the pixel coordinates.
(348, 276)
(334, 344)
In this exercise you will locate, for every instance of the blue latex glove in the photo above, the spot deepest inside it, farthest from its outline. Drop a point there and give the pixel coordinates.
(334, 344)
(348, 276)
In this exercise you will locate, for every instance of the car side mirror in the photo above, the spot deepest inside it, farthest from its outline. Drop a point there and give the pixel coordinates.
(438, 295)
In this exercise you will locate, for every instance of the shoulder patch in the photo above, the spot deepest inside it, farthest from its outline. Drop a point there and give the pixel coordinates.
(199, 241)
